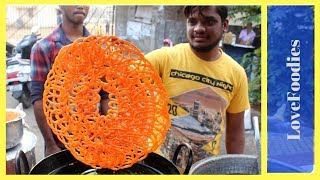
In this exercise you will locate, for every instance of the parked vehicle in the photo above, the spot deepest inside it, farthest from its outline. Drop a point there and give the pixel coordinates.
(9, 50)
(19, 69)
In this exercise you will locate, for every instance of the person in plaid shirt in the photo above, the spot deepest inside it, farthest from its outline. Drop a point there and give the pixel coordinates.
(42, 57)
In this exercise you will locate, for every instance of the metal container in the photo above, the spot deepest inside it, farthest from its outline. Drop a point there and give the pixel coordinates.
(27, 145)
(14, 127)
(232, 163)
(227, 164)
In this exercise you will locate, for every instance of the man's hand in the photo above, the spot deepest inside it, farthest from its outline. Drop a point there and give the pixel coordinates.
(104, 106)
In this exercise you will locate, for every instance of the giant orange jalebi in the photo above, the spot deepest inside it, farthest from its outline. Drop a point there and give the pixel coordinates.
(137, 119)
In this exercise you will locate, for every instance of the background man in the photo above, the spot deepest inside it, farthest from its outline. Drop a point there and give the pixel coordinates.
(42, 57)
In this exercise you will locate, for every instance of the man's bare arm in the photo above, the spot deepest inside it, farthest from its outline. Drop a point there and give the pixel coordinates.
(235, 135)
(50, 144)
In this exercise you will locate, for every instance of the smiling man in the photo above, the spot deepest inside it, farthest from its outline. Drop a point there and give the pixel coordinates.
(208, 90)
(42, 58)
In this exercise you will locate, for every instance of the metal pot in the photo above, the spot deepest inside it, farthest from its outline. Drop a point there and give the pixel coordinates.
(27, 145)
(14, 128)
(227, 164)
(64, 163)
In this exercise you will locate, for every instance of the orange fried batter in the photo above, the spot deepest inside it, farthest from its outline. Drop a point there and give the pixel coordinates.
(137, 119)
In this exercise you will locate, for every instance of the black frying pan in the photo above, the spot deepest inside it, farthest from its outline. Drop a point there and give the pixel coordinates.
(64, 163)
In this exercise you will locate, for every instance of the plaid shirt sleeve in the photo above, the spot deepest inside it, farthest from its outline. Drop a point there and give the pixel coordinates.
(40, 67)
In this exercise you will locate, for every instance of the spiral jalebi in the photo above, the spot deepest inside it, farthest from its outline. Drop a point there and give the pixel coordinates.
(137, 119)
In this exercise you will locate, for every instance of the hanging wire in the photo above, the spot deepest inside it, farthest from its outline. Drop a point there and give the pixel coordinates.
(15, 32)
(94, 12)
(97, 22)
